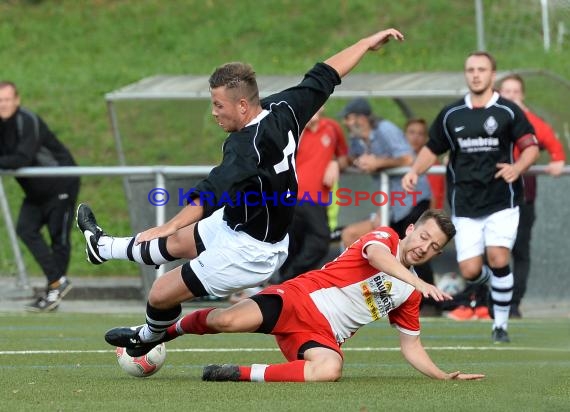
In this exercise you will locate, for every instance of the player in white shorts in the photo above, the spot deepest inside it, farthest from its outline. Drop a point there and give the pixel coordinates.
(484, 181)
(312, 315)
(474, 234)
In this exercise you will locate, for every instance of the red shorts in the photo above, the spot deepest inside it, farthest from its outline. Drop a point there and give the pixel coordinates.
(300, 322)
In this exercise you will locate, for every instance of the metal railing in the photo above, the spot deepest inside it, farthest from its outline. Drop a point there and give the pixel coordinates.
(159, 173)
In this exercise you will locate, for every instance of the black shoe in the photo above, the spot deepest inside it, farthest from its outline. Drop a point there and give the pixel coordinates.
(221, 373)
(51, 299)
(42, 304)
(87, 223)
(500, 335)
(515, 312)
(129, 339)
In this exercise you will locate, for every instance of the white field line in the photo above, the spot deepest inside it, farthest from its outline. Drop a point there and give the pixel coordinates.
(363, 349)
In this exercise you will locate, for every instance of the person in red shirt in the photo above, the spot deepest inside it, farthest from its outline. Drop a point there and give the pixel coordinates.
(512, 87)
(312, 315)
(416, 131)
(322, 154)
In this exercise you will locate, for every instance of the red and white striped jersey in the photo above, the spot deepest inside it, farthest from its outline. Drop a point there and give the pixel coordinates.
(351, 293)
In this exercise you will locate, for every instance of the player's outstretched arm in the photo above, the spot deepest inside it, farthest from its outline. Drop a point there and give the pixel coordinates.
(425, 159)
(381, 258)
(344, 61)
(415, 354)
(188, 215)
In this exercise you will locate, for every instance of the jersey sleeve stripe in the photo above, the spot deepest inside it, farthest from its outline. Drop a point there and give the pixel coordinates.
(370, 242)
(407, 331)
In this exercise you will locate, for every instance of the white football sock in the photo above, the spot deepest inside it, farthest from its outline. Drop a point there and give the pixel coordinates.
(502, 294)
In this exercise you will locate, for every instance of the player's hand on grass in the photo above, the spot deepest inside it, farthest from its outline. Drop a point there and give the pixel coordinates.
(155, 232)
(465, 376)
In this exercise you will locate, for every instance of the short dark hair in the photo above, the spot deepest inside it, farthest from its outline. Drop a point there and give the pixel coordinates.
(414, 120)
(442, 220)
(237, 76)
(487, 55)
(513, 76)
(7, 83)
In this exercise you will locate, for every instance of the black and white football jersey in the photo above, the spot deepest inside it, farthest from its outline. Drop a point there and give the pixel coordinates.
(256, 182)
(478, 138)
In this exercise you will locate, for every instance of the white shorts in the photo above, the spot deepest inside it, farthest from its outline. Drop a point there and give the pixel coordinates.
(474, 234)
(234, 260)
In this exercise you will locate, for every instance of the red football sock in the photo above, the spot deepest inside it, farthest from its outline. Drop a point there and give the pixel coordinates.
(245, 373)
(286, 372)
(281, 372)
(193, 323)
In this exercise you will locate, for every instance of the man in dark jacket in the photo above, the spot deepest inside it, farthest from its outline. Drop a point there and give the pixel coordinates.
(25, 140)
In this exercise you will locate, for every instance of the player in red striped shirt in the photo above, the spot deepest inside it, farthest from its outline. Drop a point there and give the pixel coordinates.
(312, 315)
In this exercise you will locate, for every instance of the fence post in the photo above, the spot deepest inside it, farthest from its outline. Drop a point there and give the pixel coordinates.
(384, 211)
(479, 21)
(160, 211)
(545, 25)
(22, 275)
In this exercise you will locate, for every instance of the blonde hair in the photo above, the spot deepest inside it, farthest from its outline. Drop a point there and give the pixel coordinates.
(236, 76)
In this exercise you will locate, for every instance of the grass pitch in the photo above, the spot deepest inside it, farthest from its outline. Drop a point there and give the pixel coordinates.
(60, 362)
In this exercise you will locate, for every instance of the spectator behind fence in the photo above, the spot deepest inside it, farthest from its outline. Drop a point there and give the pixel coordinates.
(416, 131)
(512, 87)
(483, 181)
(377, 144)
(26, 140)
(322, 154)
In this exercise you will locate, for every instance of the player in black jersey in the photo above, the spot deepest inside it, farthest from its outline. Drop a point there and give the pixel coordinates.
(239, 238)
(485, 189)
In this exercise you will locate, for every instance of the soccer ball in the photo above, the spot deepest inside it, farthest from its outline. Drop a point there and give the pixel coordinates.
(451, 283)
(142, 366)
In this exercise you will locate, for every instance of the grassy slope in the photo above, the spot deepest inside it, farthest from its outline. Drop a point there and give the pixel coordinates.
(65, 55)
